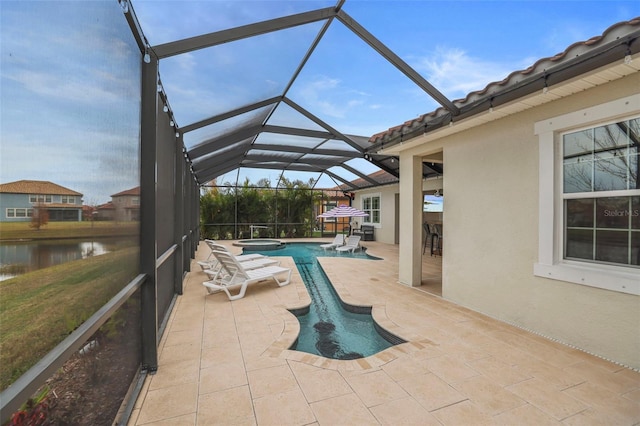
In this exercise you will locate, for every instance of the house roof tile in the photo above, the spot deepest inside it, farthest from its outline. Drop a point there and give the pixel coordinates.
(381, 176)
(62, 206)
(106, 206)
(132, 191)
(36, 187)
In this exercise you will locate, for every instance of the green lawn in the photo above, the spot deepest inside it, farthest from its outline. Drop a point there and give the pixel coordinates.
(39, 309)
(57, 230)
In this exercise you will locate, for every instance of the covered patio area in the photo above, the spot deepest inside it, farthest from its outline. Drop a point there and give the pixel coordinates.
(224, 362)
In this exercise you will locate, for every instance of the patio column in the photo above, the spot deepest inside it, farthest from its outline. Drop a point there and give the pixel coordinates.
(410, 261)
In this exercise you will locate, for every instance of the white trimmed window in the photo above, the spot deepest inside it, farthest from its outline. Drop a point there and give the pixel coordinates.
(371, 205)
(19, 212)
(589, 221)
(327, 207)
(33, 198)
(68, 199)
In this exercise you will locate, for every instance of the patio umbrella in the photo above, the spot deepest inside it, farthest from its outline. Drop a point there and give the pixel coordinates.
(343, 211)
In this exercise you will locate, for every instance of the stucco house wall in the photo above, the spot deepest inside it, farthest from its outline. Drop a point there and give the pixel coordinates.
(384, 231)
(126, 205)
(491, 235)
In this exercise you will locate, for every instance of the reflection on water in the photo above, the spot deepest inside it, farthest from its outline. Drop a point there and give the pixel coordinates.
(19, 258)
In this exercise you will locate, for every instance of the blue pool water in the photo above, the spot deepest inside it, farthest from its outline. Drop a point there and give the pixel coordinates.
(329, 327)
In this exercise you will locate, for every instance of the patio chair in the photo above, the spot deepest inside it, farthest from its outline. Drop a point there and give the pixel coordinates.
(436, 239)
(218, 272)
(428, 237)
(210, 243)
(213, 263)
(353, 242)
(337, 242)
(236, 275)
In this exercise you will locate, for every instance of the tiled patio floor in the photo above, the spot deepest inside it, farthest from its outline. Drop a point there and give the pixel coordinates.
(225, 362)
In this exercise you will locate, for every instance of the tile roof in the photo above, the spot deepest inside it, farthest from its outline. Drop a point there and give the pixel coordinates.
(39, 187)
(106, 206)
(381, 176)
(132, 191)
(62, 206)
(600, 50)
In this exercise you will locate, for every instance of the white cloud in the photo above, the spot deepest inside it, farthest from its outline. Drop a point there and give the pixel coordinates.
(186, 62)
(322, 84)
(74, 88)
(327, 96)
(103, 163)
(455, 73)
(317, 95)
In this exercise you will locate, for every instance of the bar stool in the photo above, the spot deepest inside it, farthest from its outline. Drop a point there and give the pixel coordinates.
(427, 237)
(436, 238)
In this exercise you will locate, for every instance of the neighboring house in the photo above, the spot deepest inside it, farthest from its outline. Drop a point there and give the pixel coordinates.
(124, 206)
(541, 196)
(19, 199)
(106, 211)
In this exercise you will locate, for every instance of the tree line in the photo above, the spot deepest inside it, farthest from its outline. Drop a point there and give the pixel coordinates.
(288, 210)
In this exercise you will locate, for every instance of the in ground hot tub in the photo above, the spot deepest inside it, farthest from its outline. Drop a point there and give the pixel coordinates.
(260, 244)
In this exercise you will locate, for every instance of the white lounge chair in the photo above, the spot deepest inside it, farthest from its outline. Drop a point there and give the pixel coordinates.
(218, 272)
(236, 275)
(353, 242)
(337, 242)
(212, 264)
(210, 243)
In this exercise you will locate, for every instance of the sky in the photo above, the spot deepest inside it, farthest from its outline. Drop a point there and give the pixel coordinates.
(69, 97)
(433, 203)
(69, 71)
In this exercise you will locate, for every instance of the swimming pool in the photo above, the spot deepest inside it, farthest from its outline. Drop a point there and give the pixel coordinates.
(330, 327)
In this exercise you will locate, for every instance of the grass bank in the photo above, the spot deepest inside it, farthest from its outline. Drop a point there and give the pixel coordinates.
(39, 309)
(12, 231)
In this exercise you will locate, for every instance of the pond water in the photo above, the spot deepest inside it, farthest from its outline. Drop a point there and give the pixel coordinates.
(21, 257)
(331, 328)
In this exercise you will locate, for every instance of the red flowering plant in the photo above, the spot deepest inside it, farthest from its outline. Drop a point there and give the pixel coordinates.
(34, 412)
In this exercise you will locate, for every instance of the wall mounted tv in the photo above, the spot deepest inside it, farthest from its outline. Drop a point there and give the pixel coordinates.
(432, 204)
